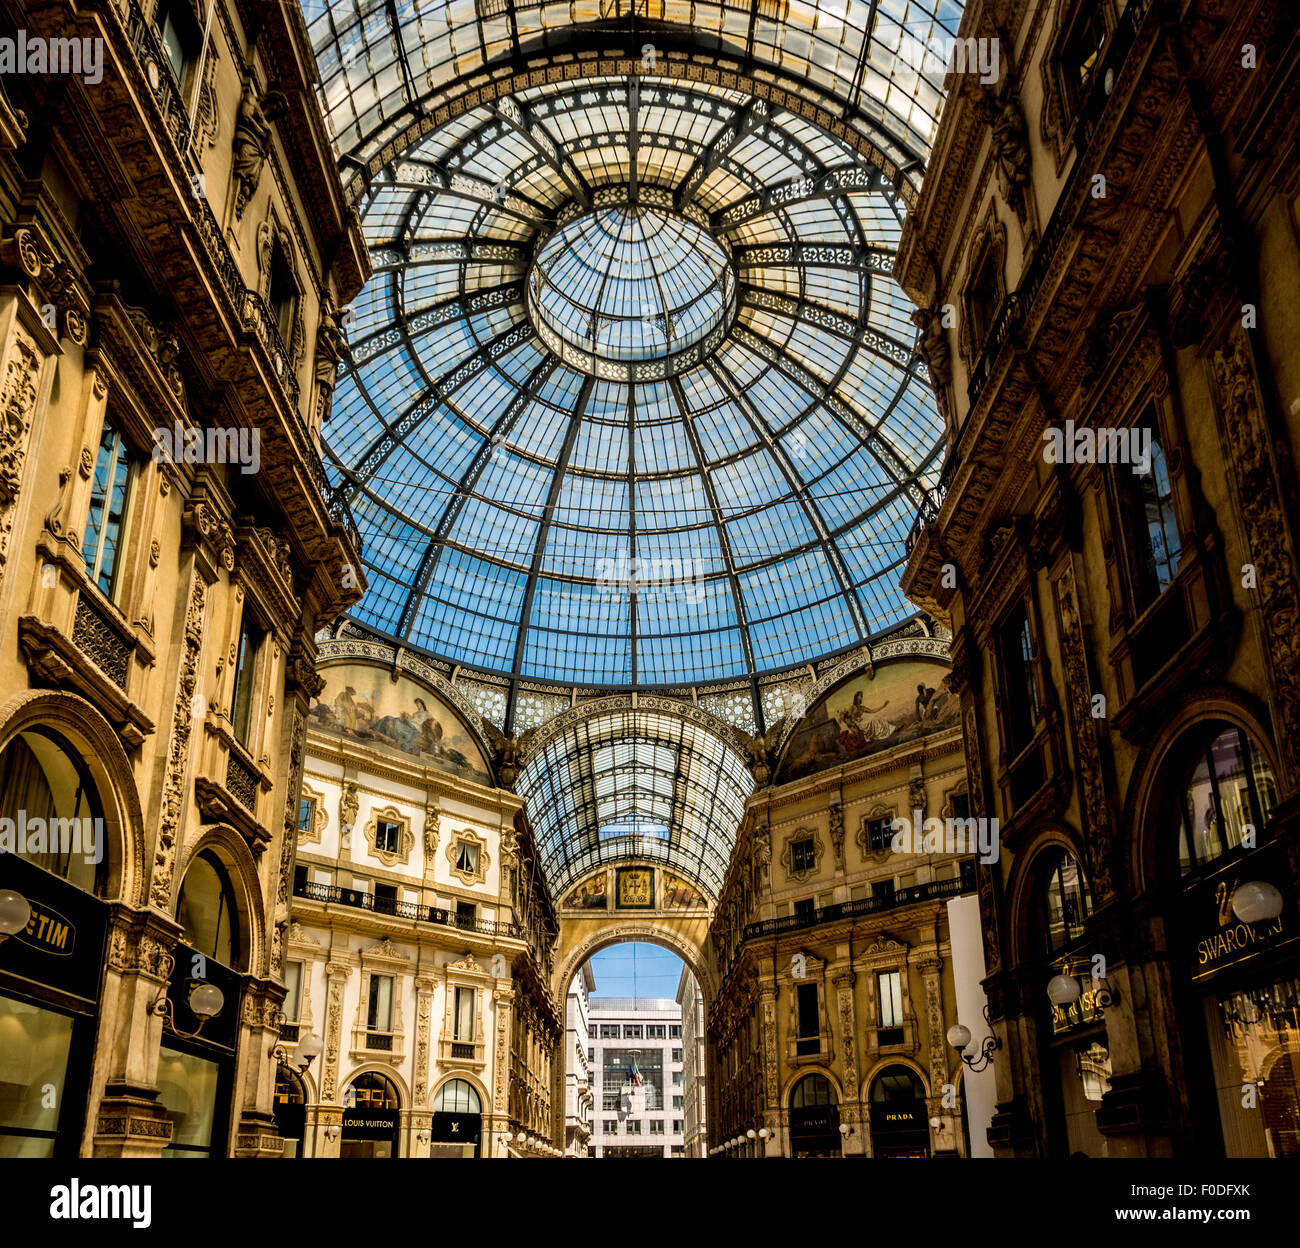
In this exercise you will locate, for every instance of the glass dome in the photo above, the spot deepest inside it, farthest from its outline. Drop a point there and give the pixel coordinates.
(631, 398)
(630, 283)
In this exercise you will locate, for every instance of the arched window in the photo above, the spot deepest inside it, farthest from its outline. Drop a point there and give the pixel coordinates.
(1223, 786)
(813, 1090)
(57, 824)
(457, 1096)
(206, 910)
(371, 1091)
(1064, 902)
(897, 1083)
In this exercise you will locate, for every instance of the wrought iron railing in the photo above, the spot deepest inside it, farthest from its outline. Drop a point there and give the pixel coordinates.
(361, 900)
(157, 69)
(935, 890)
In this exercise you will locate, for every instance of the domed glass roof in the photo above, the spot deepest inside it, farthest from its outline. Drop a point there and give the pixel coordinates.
(629, 283)
(632, 397)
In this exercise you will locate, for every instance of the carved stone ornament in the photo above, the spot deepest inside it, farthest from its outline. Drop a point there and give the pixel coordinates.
(349, 804)
(178, 750)
(251, 143)
(17, 404)
(835, 815)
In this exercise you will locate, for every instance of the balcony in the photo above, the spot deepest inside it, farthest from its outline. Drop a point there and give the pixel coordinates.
(934, 891)
(361, 900)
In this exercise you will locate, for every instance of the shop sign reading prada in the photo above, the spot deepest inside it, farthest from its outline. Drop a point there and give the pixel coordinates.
(1221, 938)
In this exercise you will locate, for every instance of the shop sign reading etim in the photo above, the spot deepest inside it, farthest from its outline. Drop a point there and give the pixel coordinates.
(48, 931)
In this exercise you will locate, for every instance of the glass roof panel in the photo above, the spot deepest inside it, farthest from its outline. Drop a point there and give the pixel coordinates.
(669, 426)
(640, 769)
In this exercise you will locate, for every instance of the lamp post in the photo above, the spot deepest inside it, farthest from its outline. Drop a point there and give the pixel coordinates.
(959, 1037)
(15, 912)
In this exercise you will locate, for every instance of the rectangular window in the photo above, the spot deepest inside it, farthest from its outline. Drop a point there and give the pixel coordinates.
(591, 1057)
(804, 908)
(1081, 52)
(467, 857)
(882, 891)
(466, 912)
(632, 1033)
(306, 814)
(181, 39)
(633, 1126)
(102, 544)
(809, 1038)
(293, 983)
(1017, 653)
(609, 1102)
(678, 1124)
(803, 855)
(655, 1031)
(282, 293)
(677, 1102)
(610, 1126)
(889, 992)
(961, 806)
(380, 1014)
(656, 1126)
(386, 898)
(880, 834)
(674, 1031)
(677, 1055)
(609, 1031)
(241, 707)
(677, 1078)
(1157, 544)
(463, 1023)
(388, 836)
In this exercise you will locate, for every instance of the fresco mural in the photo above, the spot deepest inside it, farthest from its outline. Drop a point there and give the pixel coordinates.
(367, 705)
(901, 702)
(589, 895)
(680, 895)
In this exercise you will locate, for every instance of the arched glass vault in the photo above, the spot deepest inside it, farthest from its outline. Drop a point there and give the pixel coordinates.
(635, 784)
(381, 61)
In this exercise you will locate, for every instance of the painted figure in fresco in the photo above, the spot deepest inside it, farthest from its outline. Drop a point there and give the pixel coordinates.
(859, 725)
(401, 729)
(345, 709)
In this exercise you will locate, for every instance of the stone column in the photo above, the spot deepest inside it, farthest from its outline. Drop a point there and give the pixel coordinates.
(499, 1123)
(128, 1119)
(850, 1107)
(257, 1134)
(773, 1118)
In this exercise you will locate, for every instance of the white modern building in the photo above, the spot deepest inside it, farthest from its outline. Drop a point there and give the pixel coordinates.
(691, 1003)
(633, 1037)
(578, 1098)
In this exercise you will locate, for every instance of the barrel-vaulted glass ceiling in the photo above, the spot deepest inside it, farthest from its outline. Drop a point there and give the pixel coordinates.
(635, 784)
(704, 467)
(379, 60)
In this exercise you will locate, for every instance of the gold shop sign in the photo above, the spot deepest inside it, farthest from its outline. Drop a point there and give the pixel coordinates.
(1221, 939)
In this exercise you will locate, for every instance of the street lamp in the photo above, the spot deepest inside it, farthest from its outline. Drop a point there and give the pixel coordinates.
(959, 1037)
(15, 911)
(1256, 901)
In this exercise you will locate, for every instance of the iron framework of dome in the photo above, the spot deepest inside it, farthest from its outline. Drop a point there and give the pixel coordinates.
(702, 473)
(635, 784)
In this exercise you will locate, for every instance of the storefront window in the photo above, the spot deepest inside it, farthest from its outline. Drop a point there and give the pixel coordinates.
(1255, 1046)
(46, 790)
(33, 1062)
(1067, 902)
(187, 1088)
(1227, 788)
(290, 1110)
(206, 910)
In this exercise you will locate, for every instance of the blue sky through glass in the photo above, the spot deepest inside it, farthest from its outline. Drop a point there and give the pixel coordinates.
(635, 969)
